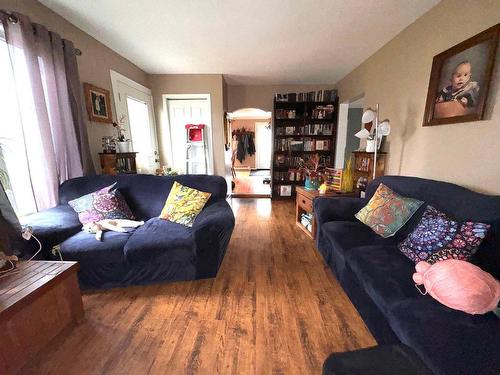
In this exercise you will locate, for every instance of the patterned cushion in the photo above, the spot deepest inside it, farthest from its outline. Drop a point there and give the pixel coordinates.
(387, 211)
(437, 237)
(184, 204)
(106, 203)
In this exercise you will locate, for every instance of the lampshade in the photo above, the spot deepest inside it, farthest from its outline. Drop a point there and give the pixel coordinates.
(384, 128)
(368, 116)
(362, 134)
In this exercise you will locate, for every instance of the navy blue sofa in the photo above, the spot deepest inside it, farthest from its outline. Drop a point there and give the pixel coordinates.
(377, 277)
(158, 251)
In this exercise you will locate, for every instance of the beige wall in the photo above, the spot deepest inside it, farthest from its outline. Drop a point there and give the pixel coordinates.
(212, 84)
(397, 78)
(94, 64)
(262, 96)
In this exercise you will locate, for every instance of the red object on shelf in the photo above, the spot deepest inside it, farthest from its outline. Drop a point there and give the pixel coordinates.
(195, 132)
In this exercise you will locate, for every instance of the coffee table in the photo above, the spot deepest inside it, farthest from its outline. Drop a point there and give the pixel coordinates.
(37, 302)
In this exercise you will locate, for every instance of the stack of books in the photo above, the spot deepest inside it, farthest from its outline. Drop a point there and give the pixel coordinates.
(318, 129)
(306, 221)
(311, 96)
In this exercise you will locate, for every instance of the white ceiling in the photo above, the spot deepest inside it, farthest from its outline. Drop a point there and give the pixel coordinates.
(249, 41)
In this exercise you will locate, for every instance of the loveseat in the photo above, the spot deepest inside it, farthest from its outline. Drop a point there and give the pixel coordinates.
(157, 251)
(377, 277)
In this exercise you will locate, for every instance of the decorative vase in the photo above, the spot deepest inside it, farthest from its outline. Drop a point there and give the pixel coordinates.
(312, 183)
(123, 146)
(370, 145)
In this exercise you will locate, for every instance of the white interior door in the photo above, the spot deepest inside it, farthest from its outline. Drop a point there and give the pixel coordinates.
(263, 145)
(180, 113)
(135, 102)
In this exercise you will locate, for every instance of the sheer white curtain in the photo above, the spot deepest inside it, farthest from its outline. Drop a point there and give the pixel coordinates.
(13, 159)
(44, 134)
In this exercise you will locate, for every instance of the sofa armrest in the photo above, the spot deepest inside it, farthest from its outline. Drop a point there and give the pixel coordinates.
(212, 231)
(52, 226)
(336, 208)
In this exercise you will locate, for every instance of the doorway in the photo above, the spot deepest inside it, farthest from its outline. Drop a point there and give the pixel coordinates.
(350, 114)
(251, 153)
(185, 109)
(134, 106)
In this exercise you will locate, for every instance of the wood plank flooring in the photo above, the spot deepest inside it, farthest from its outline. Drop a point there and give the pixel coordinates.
(274, 308)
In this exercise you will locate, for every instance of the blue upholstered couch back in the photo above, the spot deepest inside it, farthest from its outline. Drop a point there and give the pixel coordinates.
(458, 203)
(145, 194)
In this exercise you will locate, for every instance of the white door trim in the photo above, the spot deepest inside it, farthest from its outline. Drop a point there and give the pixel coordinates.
(165, 120)
(341, 135)
(115, 77)
(258, 128)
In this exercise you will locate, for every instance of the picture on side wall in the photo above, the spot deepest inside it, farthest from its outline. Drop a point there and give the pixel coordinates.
(98, 103)
(460, 78)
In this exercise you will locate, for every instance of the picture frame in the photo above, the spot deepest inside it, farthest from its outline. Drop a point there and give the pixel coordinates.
(460, 79)
(98, 102)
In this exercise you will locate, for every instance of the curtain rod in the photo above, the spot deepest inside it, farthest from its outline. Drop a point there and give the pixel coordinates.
(13, 19)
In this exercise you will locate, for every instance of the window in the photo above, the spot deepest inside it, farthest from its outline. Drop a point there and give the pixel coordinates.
(14, 171)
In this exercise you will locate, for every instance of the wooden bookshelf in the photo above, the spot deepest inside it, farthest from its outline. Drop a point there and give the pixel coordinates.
(301, 129)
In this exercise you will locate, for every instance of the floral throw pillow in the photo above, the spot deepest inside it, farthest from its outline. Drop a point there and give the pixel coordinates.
(184, 204)
(106, 203)
(437, 237)
(387, 211)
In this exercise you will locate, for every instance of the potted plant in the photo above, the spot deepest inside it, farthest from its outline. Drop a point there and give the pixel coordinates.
(312, 169)
(122, 144)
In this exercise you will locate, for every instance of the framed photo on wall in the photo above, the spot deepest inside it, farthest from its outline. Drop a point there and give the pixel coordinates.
(98, 103)
(460, 79)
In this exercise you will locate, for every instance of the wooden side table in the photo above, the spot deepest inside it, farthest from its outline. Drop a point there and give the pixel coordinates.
(119, 162)
(37, 302)
(304, 204)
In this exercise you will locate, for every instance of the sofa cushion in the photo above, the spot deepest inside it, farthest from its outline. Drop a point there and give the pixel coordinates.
(54, 225)
(345, 235)
(437, 237)
(105, 203)
(157, 237)
(84, 247)
(184, 204)
(449, 341)
(387, 211)
(384, 273)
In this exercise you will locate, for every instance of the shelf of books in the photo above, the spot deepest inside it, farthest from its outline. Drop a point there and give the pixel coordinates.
(303, 124)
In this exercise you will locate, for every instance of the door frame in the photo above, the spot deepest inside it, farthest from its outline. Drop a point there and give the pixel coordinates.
(257, 148)
(166, 120)
(117, 77)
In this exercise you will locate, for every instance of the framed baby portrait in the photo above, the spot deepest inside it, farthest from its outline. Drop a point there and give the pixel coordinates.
(460, 78)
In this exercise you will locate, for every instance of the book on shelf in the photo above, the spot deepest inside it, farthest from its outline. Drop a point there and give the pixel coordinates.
(291, 175)
(289, 114)
(323, 112)
(322, 145)
(316, 144)
(286, 161)
(311, 96)
(318, 129)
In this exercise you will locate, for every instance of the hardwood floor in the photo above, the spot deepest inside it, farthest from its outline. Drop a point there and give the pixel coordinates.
(274, 308)
(250, 186)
